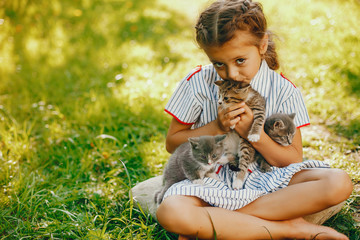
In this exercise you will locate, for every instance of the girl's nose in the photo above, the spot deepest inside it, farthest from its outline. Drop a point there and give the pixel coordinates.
(233, 74)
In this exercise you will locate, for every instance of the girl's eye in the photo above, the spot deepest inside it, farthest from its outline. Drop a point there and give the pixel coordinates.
(240, 61)
(218, 65)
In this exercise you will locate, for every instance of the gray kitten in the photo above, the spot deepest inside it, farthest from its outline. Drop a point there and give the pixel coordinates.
(279, 127)
(192, 160)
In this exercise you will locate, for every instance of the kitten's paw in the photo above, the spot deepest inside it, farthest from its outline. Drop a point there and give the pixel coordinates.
(198, 181)
(238, 184)
(232, 127)
(254, 137)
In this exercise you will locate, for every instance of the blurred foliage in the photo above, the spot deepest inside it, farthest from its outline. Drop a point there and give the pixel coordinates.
(321, 54)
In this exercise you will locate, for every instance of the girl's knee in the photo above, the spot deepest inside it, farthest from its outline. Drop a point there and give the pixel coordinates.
(339, 185)
(175, 215)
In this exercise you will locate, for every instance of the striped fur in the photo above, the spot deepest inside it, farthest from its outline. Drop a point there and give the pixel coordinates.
(230, 93)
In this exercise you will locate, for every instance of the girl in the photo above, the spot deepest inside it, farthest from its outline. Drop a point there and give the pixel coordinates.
(233, 34)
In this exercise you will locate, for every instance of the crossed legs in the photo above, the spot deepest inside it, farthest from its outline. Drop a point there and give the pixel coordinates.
(276, 215)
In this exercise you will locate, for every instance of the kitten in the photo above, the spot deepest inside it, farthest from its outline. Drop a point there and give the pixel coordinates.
(237, 148)
(192, 160)
(281, 128)
(232, 92)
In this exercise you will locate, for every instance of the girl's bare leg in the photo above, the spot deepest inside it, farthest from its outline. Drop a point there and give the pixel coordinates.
(190, 217)
(309, 191)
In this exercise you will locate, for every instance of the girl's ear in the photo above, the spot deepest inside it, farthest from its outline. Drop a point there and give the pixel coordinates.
(264, 44)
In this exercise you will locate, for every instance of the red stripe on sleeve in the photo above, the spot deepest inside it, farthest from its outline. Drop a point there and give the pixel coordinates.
(177, 118)
(197, 69)
(306, 124)
(288, 79)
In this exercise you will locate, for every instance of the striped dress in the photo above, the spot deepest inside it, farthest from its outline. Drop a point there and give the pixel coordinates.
(194, 102)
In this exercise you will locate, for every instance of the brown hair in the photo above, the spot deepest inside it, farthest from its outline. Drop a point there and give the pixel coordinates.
(219, 22)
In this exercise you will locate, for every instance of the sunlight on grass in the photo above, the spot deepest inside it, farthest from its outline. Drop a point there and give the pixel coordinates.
(16, 149)
(154, 155)
(7, 59)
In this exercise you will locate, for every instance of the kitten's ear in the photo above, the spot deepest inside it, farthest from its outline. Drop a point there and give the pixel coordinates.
(245, 85)
(219, 83)
(219, 138)
(279, 124)
(194, 141)
(292, 116)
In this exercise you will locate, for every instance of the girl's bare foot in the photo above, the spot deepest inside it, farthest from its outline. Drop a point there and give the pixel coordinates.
(306, 230)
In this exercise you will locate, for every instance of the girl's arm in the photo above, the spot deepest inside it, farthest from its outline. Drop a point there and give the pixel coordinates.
(278, 155)
(179, 133)
(274, 153)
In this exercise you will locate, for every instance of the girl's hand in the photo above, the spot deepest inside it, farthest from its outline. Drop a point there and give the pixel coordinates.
(229, 117)
(244, 124)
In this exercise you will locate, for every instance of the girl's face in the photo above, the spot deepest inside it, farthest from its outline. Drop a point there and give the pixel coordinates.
(238, 59)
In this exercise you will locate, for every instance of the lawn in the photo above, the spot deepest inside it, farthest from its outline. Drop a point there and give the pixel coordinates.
(82, 92)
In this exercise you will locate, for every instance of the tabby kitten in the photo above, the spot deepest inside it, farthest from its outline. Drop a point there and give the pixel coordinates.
(232, 92)
(281, 128)
(237, 148)
(192, 160)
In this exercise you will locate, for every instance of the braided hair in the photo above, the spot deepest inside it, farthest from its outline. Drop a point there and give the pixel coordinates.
(219, 22)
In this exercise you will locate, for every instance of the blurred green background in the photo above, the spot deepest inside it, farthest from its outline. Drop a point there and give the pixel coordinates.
(82, 91)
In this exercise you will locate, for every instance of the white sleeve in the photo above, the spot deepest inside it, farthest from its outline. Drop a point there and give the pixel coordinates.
(295, 104)
(184, 105)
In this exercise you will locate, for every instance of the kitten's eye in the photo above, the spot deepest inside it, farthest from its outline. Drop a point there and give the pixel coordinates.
(218, 65)
(226, 98)
(214, 155)
(240, 61)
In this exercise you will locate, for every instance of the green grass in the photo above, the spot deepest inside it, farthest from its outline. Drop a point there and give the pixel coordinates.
(82, 91)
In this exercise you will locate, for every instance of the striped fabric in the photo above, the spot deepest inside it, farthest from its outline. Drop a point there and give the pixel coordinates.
(195, 102)
(218, 194)
(195, 99)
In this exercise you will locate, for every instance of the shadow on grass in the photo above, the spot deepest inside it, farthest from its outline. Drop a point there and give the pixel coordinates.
(350, 130)
(353, 79)
(349, 126)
